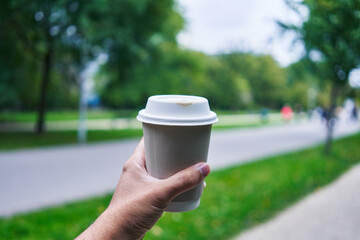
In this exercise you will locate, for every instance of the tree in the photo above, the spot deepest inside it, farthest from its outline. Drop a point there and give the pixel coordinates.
(332, 30)
(302, 77)
(265, 77)
(17, 67)
(135, 35)
(42, 35)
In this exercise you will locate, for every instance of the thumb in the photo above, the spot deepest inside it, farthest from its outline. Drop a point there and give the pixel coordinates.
(185, 180)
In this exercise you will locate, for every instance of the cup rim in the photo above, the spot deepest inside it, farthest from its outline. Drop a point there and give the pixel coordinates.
(178, 121)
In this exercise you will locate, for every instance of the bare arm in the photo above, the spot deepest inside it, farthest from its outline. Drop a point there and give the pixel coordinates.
(140, 199)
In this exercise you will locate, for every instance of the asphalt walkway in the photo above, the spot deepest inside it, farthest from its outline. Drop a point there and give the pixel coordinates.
(33, 179)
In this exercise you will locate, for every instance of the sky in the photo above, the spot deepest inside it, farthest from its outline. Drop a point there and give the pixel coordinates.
(218, 26)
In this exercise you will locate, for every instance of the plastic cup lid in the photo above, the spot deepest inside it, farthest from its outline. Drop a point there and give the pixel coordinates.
(177, 110)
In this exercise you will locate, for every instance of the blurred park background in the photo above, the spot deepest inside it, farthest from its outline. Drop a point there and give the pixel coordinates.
(79, 71)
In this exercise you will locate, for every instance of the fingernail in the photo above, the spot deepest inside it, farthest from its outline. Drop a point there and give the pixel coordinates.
(204, 169)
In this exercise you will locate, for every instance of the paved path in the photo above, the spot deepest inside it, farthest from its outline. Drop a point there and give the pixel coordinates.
(31, 179)
(332, 213)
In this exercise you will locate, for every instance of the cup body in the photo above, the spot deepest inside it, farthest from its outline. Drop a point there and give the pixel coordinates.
(170, 149)
(177, 132)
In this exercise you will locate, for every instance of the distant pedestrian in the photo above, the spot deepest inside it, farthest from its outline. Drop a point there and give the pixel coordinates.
(354, 113)
(297, 112)
(324, 114)
(287, 113)
(264, 115)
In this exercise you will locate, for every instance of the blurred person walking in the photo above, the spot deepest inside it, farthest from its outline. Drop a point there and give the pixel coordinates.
(286, 113)
(354, 113)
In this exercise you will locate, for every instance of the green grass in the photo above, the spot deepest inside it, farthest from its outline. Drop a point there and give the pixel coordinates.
(254, 110)
(30, 116)
(21, 140)
(247, 125)
(235, 199)
(11, 116)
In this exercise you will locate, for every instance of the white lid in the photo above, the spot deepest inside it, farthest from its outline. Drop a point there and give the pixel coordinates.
(177, 110)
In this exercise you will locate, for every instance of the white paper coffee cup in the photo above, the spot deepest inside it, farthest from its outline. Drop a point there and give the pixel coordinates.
(177, 132)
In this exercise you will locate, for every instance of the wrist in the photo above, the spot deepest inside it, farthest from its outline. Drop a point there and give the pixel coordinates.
(105, 227)
(122, 224)
(114, 223)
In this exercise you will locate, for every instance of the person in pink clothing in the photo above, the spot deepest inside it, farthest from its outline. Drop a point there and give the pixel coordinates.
(286, 113)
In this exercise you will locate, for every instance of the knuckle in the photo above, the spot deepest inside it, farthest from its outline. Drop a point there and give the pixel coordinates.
(160, 198)
(189, 180)
(126, 166)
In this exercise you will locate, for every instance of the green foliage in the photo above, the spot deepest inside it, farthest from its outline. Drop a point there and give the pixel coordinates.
(136, 47)
(333, 29)
(230, 81)
(18, 70)
(265, 77)
(235, 199)
(144, 62)
(301, 76)
(28, 32)
(227, 88)
(139, 38)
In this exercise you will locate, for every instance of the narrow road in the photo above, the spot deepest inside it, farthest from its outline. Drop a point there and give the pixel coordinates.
(32, 179)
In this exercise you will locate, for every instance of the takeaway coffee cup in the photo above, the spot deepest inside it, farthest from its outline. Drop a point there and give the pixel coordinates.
(177, 132)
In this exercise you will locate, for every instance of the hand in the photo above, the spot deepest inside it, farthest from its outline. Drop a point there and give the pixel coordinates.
(140, 199)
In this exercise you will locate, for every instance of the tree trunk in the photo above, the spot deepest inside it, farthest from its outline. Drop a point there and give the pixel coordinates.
(40, 123)
(330, 117)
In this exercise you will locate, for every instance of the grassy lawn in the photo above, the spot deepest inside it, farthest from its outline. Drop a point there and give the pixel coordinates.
(235, 199)
(21, 140)
(8, 116)
(30, 116)
(231, 112)
(247, 125)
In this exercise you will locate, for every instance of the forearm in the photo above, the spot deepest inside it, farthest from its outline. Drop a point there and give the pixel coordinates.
(139, 199)
(107, 226)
